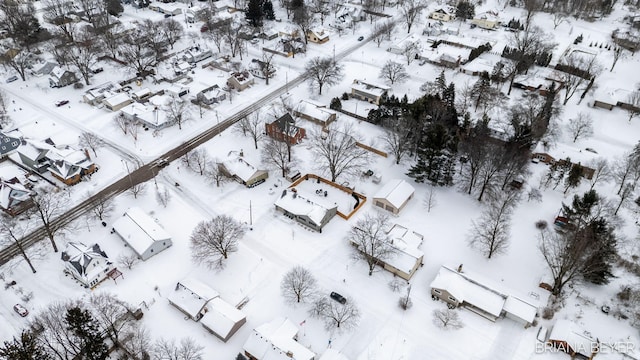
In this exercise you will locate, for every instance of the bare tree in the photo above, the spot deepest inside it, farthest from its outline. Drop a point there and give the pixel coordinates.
(163, 195)
(298, 285)
(393, 72)
(267, 61)
(177, 111)
(137, 190)
(252, 126)
(410, 10)
(304, 19)
(618, 53)
(57, 12)
(19, 60)
(138, 344)
(430, 201)
(626, 170)
(5, 119)
(212, 241)
(409, 50)
(14, 230)
(336, 316)
(101, 206)
(50, 204)
(634, 104)
(113, 315)
(602, 171)
(128, 261)
(581, 126)
(371, 241)
(214, 174)
(187, 349)
(171, 30)
(122, 123)
(91, 141)
(83, 53)
(337, 152)
(491, 232)
(55, 338)
(587, 68)
(405, 301)
(18, 18)
(323, 71)
(198, 160)
(396, 139)
(558, 18)
(447, 319)
(137, 52)
(382, 31)
(276, 153)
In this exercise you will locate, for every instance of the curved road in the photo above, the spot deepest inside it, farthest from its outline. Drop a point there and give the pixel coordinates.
(148, 171)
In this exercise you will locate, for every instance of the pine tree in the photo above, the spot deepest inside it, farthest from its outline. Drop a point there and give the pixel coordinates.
(574, 177)
(449, 96)
(267, 9)
(436, 157)
(84, 326)
(599, 264)
(441, 84)
(480, 89)
(24, 348)
(255, 13)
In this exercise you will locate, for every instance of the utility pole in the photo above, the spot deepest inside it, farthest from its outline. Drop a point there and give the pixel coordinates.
(250, 215)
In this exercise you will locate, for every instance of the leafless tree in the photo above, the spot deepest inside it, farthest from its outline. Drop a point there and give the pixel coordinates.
(111, 39)
(410, 10)
(490, 234)
(298, 285)
(177, 111)
(409, 50)
(5, 119)
(319, 8)
(587, 67)
(187, 349)
(91, 141)
(19, 60)
(133, 129)
(163, 195)
(212, 241)
(137, 190)
(113, 315)
(122, 123)
(430, 200)
(55, 338)
(393, 72)
(304, 19)
(447, 319)
(405, 301)
(198, 160)
(581, 126)
(370, 239)
(214, 175)
(618, 53)
(395, 140)
(14, 229)
(558, 18)
(233, 41)
(276, 153)
(527, 44)
(137, 52)
(137, 344)
(323, 71)
(216, 32)
(267, 60)
(634, 104)
(626, 170)
(253, 126)
(18, 18)
(128, 261)
(602, 171)
(57, 12)
(83, 53)
(101, 206)
(171, 30)
(336, 316)
(337, 152)
(50, 204)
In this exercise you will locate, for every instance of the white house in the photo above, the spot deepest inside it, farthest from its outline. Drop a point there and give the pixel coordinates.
(87, 264)
(145, 237)
(237, 167)
(191, 296)
(368, 91)
(310, 211)
(394, 195)
(407, 256)
(276, 340)
(117, 101)
(222, 319)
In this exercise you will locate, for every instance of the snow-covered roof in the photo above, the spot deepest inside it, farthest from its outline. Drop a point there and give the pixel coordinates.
(396, 192)
(80, 257)
(577, 338)
(12, 193)
(301, 203)
(369, 87)
(101, 91)
(275, 341)
(405, 244)
(520, 308)
(139, 230)
(191, 295)
(135, 109)
(239, 167)
(117, 99)
(142, 92)
(221, 317)
(315, 110)
(468, 291)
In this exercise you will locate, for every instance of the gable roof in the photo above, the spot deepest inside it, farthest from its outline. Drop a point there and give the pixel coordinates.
(238, 166)
(139, 230)
(275, 341)
(301, 203)
(286, 122)
(12, 193)
(580, 340)
(221, 317)
(396, 192)
(191, 295)
(80, 256)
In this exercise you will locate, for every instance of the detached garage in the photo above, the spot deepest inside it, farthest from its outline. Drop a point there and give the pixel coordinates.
(145, 237)
(394, 196)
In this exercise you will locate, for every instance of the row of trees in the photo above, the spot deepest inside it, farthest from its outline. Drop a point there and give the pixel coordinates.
(91, 330)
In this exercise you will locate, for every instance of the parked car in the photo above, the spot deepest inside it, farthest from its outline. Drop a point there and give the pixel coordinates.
(21, 310)
(337, 297)
(361, 38)
(12, 79)
(204, 28)
(97, 70)
(62, 103)
(591, 150)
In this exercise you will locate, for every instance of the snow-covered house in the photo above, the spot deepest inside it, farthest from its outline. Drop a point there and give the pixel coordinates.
(60, 77)
(15, 198)
(406, 255)
(166, 8)
(142, 94)
(236, 167)
(143, 235)
(191, 297)
(44, 68)
(211, 95)
(412, 40)
(276, 340)
(240, 80)
(196, 54)
(315, 112)
(87, 264)
(443, 14)
(482, 296)
(261, 69)
(8, 144)
(222, 319)
(318, 36)
(368, 91)
(568, 337)
(308, 210)
(69, 165)
(284, 129)
(394, 195)
(117, 101)
(97, 94)
(487, 20)
(177, 90)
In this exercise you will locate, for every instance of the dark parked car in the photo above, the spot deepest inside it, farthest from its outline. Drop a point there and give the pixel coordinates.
(339, 298)
(97, 70)
(21, 310)
(62, 103)
(12, 79)
(361, 38)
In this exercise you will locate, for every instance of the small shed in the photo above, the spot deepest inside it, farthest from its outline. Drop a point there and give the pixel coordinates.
(568, 337)
(145, 237)
(394, 195)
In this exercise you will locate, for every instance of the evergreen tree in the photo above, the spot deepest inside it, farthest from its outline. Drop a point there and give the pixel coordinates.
(441, 84)
(480, 89)
(449, 96)
(599, 264)
(267, 10)
(24, 348)
(114, 7)
(85, 328)
(255, 13)
(335, 104)
(574, 177)
(465, 10)
(436, 157)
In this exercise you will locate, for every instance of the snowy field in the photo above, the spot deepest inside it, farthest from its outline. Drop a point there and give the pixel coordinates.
(274, 243)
